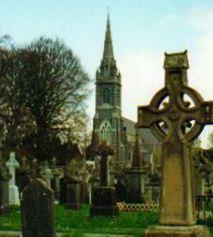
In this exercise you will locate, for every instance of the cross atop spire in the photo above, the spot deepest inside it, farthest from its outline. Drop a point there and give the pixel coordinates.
(108, 55)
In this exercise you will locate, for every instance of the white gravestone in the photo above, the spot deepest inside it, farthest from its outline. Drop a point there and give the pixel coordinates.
(12, 164)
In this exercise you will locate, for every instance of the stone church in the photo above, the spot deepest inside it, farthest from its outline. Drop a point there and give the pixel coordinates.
(108, 122)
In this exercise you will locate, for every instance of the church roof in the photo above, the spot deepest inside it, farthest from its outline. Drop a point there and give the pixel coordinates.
(147, 137)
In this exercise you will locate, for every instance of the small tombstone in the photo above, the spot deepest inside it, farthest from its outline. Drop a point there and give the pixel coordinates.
(37, 210)
(74, 184)
(12, 164)
(104, 197)
(177, 121)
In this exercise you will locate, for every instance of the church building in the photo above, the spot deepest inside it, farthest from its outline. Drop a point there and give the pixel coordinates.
(108, 121)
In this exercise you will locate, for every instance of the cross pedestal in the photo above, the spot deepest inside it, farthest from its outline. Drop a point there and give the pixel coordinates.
(177, 115)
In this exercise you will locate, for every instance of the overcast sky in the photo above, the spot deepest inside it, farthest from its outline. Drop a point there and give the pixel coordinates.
(141, 30)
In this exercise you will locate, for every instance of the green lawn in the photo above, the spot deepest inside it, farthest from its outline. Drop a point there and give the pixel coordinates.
(124, 223)
(79, 222)
(68, 221)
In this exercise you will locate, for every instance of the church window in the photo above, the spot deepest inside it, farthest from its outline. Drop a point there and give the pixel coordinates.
(105, 132)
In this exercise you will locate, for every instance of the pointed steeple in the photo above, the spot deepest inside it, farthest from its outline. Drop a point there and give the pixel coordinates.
(108, 48)
(108, 55)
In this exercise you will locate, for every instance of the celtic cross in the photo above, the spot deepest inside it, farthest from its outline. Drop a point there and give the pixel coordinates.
(176, 115)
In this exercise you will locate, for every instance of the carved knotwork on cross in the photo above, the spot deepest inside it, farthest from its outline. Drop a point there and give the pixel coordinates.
(177, 112)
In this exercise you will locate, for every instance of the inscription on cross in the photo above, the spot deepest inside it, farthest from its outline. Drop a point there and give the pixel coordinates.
(176, 115)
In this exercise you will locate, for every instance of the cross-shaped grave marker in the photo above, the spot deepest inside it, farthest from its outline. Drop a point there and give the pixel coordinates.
(177, 114)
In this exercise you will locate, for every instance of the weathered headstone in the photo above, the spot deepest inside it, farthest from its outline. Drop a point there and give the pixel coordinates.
(73, 184)
(177, 121)
(37, 210)
(12, 164)
(136, 176)
(104, 197)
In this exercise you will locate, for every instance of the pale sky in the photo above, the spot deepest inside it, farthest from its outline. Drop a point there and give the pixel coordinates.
(141, 30)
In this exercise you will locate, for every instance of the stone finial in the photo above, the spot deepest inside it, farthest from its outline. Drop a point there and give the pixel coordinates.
(176, 60)
(176, 65)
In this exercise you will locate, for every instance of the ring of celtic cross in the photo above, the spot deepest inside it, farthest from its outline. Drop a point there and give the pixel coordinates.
(173, 119)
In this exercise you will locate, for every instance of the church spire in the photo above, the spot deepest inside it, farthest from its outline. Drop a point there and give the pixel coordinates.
(108, 55)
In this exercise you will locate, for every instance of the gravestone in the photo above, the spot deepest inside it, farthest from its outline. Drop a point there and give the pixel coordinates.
(12, 164)
(177, 115)
(104, 197)
(73, 183)
(37, 210)
(5, 176)
(136, 176)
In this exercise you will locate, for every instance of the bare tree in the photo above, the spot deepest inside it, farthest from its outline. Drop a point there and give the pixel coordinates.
(45, 80)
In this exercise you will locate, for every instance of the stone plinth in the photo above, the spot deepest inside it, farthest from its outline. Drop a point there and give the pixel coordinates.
(103, 201)
(177, 231)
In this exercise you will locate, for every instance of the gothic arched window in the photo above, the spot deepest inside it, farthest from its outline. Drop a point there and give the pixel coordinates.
(106, 131)
(106, 95)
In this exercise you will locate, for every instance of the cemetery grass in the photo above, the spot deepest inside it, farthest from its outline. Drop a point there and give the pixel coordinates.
(78, 222)
(69, 221)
